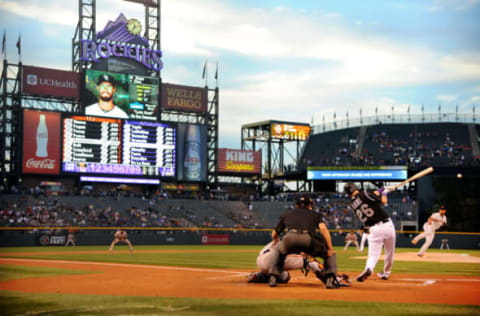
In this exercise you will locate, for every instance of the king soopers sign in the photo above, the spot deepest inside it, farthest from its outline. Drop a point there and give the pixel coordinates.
(121, 38)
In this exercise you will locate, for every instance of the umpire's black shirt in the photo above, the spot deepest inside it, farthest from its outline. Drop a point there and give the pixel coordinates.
(368, 207)
(299, 219)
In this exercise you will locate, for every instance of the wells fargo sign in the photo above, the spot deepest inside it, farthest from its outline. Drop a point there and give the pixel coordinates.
(239, 161)
(184, 98)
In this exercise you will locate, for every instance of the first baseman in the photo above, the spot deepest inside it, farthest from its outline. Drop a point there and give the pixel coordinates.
(435, 221)
(121, 236)
(351, 238)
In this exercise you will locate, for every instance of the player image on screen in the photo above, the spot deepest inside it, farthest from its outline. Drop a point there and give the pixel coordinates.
(123, 96)
(105, 106)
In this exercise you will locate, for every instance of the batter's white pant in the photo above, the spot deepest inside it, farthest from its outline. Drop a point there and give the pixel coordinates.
(362, 242)
(428, 234)
(351, 242)
(381, 235)
(443, 245)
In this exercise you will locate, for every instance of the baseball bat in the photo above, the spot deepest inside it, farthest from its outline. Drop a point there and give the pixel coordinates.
(412, 178)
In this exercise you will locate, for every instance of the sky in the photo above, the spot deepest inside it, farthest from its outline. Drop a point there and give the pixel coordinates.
(291, 60)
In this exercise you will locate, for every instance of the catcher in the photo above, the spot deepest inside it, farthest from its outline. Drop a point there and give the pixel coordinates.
(292, 262)
(121, 236)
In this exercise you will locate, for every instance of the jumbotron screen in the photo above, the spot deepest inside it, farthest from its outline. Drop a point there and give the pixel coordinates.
(95, 145)
(123, 96)
(357, 173)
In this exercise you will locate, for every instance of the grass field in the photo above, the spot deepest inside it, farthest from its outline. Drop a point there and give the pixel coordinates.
(219, 257)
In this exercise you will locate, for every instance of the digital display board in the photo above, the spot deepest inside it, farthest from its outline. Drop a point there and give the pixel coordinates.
(290, 131)
(94, 145)
(124, 96)
(357, 173)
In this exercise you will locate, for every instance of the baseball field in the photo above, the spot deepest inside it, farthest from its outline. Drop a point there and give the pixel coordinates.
(211, 280)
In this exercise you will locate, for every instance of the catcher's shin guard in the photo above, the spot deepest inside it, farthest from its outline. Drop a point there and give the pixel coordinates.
(330, 264)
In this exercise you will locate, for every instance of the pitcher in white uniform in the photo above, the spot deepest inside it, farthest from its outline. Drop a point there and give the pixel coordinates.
(435, 221)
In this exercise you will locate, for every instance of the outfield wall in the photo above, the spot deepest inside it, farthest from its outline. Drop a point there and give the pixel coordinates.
(180, 236)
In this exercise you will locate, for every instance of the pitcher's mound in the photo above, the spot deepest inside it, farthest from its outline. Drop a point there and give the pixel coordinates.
(433, 257)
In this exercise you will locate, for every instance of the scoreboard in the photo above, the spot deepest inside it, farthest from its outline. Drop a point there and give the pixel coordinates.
(96, 145)
(151, 145)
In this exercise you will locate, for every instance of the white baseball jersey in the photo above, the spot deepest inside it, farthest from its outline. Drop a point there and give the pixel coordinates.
(95, 110)
(438, 217)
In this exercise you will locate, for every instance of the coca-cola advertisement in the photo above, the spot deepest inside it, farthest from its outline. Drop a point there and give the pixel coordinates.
(41, 142)
(51, 82)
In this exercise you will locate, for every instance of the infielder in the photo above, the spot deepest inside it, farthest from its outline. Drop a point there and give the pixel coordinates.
(292, 262)
(435, 221)
(364, 239)
(70, 239)
(367, 205)
(121, 236)
(351, 238)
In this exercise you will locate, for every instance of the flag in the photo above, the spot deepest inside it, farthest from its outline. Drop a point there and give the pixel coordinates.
(204, 70)
(4, 41)
(19, 44)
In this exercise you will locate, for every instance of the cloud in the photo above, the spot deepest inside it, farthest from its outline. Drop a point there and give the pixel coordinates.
(446, 98)
(455, 5)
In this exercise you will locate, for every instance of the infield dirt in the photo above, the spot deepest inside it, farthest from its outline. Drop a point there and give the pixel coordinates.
(149, 280)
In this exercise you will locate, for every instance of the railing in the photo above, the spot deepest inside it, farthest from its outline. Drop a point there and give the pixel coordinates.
(395, 119)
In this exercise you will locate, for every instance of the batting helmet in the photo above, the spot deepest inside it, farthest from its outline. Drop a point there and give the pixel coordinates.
(349, 188)
(304, 201)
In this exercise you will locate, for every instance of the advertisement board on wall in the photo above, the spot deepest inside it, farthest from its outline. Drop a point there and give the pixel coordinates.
(95, 145)
(50, 82)
(41, 142)
(239, 161)
(357, 173)
(115, 95)
(191, 152)
(184, 98)
(290, 131)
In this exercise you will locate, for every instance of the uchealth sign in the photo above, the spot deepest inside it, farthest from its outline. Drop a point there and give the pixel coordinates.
(184, 98)
(239, 161)
(41, 142)
(51, 82)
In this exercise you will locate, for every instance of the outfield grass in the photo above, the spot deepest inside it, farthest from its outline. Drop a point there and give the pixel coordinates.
(16, 303)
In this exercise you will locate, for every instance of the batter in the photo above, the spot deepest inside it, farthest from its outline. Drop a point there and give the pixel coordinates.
(367, 205)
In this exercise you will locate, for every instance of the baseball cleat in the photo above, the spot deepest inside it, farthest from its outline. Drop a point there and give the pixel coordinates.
(421, 255)
(364, 275)
(251, 277)
(272, 281)
(382, 276)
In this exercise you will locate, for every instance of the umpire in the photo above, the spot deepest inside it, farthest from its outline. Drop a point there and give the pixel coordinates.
(301, 224)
